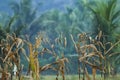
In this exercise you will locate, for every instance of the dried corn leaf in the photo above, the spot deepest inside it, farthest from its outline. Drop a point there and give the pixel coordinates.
(9, 52)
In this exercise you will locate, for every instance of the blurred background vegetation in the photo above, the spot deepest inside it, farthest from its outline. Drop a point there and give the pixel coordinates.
(54, 18)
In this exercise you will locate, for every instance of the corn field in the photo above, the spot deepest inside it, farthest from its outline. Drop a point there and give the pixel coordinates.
(93, 53)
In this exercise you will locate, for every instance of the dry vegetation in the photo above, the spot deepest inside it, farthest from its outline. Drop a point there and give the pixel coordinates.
(91, 52)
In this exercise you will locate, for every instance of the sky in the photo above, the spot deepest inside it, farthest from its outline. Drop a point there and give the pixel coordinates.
(4, 6)
(44, 5)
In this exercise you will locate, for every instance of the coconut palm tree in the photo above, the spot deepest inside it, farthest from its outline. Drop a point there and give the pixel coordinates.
(107, 15)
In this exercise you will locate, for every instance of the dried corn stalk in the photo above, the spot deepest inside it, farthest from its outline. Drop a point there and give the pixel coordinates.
(33, 58)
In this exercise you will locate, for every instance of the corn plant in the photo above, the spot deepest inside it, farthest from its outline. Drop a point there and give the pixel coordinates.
(106, 48)
(95, 54)
(34, 67)
(10, 48)
(88, 55)
(33, 58)
(59, 64)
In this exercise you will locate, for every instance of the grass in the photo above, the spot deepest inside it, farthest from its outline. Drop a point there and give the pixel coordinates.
(74, 77)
